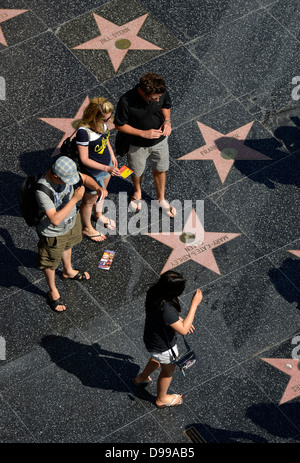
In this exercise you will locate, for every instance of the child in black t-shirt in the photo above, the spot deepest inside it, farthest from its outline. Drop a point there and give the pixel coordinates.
(161, 325)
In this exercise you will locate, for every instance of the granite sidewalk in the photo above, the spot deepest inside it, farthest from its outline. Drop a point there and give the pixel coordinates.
(231, 69)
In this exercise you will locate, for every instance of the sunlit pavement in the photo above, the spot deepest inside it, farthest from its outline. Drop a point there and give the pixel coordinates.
(231, 69)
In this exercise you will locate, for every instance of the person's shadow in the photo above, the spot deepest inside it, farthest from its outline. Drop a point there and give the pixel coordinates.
(93, 365)
(286, 280)
(290, 135)
(31, 163)
(277, 421)
(14, 258)
(232, 150)
(203, 433)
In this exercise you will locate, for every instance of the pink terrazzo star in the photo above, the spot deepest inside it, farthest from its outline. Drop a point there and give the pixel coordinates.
(223, 150)
(190, 245)
(292, 368)
(296, 253)
(117, 40)
(65, 124)
(5, 15)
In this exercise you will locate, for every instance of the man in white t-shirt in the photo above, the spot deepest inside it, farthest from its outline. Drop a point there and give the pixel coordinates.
(60, 228)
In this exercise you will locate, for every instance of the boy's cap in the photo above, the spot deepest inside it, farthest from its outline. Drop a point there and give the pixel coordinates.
(66, 170)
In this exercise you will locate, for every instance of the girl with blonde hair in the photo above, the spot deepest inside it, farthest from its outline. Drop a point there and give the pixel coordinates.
(98, 159)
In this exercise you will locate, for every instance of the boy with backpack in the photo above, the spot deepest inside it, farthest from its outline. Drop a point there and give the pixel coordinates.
(59, 228)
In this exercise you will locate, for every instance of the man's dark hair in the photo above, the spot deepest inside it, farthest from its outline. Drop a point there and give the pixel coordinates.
(152, 83)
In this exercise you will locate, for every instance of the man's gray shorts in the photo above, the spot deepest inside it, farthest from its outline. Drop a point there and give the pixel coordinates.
(158, 157)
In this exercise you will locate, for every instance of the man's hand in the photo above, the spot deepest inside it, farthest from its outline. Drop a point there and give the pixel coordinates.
(152, 133)
(166, 128)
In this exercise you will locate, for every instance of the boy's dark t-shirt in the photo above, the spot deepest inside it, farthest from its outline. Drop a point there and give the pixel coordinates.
(158, 318)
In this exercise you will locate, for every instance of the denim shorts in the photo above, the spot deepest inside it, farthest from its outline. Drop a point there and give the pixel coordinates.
(165, 357)
(99, 179)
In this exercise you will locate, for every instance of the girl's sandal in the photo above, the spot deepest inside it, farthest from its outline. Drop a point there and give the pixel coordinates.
(173, 403)
(142, 383)
(107, 223)
(135, 204)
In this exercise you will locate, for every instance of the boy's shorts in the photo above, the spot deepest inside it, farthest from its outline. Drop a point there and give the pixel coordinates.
(50, 249)
(158, 157)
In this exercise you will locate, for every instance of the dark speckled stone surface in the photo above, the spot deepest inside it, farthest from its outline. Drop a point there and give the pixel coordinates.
(229, 67)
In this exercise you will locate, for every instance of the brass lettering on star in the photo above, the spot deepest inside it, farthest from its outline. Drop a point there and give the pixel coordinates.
(227, 153)
(208, 150)
(198, 248)
(193, 243)
(114, 36)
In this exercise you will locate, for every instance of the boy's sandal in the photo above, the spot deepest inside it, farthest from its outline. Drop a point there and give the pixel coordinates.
(54, 304)
(80, 275)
